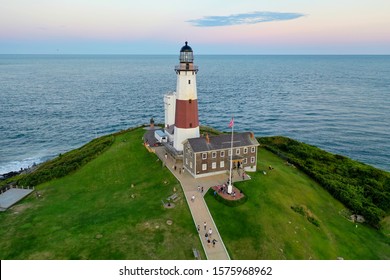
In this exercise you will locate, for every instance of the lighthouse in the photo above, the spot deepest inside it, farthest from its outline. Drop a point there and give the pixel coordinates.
(186, 109)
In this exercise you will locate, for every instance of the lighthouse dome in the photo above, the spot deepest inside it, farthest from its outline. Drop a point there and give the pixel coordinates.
(186, 54)
(186, 48)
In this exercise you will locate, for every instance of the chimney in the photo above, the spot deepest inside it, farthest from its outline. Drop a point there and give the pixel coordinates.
(152, 123)
(207, 138)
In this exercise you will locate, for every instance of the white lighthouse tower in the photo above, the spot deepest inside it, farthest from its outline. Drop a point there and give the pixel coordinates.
(186, 109)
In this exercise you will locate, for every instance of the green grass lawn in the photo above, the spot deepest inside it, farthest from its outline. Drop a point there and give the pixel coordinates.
(94, 213)
(266, 227)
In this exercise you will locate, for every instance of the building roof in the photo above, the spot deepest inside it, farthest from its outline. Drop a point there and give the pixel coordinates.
(223, 141)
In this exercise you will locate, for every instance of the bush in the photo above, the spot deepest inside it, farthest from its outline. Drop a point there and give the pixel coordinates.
(302, 210)
(230, 203)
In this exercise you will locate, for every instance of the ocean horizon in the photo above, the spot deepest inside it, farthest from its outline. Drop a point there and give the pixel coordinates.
(51, 104)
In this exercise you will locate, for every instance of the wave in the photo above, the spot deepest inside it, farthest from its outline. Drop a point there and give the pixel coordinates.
(17, 165)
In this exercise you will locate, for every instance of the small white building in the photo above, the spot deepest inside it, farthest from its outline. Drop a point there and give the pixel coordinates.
(160, 136)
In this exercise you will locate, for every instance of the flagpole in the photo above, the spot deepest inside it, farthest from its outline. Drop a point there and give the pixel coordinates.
(230, 186)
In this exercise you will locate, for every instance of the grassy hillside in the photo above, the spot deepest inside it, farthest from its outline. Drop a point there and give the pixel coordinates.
(266, 226)
(94, 213)
(362, 188)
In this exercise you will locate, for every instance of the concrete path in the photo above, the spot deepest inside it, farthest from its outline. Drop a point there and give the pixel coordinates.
(199, 210)
(12, 196)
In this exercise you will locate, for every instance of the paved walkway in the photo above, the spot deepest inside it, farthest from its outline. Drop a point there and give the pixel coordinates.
(11, 196)
(199, 210)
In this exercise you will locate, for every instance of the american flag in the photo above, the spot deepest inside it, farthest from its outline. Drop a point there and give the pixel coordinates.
(231, 122)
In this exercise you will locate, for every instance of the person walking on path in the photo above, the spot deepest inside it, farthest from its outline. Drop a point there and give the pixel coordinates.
(210, 232)
(193, 198)
(205, 225)
(198, 228)
(214, 241)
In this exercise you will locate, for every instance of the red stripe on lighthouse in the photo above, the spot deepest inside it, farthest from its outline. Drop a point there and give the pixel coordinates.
(186, 113)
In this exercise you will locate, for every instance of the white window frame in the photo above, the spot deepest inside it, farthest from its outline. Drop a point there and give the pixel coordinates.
(245, 150)
(213, 165)
(222, 154)
(245, 161)
(191, 164)
(222, 164)
(204, 155)
(238, 151)
(253, 160)
(204, 166)
(214, 154)
(253, 149)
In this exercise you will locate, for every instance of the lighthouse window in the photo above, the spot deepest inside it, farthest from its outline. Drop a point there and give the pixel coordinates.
(189, 82)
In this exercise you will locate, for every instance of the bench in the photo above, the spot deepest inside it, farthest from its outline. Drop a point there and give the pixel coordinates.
(173, 197)
(196, 254)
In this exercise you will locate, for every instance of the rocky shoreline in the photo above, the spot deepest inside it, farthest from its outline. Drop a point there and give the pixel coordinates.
(11, 174)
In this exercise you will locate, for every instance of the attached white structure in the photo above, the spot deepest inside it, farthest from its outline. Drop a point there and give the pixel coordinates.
(160, 136)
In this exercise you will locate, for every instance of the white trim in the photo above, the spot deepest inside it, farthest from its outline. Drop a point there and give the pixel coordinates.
(209, 174)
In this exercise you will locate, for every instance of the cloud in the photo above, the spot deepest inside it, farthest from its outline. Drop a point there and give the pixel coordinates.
(248, 18)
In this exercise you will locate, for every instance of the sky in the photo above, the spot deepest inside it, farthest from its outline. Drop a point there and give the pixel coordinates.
(210, 26)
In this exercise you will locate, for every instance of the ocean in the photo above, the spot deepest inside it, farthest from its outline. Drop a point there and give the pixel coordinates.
(50, 104)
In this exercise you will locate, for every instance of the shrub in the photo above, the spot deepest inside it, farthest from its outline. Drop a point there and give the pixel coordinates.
(230, 203)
